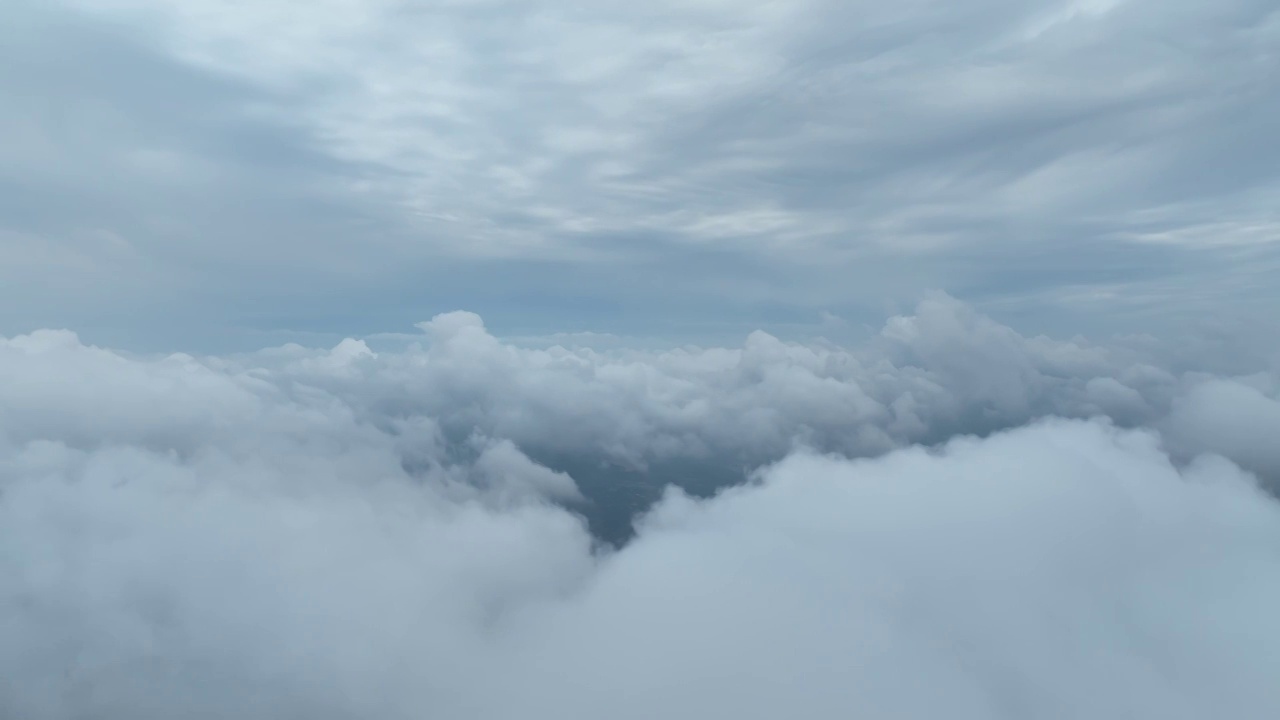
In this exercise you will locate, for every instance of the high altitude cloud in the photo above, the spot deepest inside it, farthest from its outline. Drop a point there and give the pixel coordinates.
(271, 166)
(686, 118)
(350, 533)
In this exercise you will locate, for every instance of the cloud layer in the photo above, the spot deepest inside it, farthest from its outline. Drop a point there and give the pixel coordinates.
(945, 516)
(270, 167)
(348, 533)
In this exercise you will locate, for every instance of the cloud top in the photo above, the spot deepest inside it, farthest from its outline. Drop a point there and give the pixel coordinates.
(348, 533)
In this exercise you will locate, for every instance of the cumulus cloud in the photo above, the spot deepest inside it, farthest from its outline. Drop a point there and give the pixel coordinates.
(460, 398)
(1065, 568)
(911, 527)
(941, 370)
(1061, 570)
(1239, 419)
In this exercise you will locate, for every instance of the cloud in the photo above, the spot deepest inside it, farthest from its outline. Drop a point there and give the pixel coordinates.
(1063, 567)
(355, 533)
(255, 168)
(928, 375)
(700, 480)
(1232, 418)
(142, 586)
(460, 400)
(690, 119)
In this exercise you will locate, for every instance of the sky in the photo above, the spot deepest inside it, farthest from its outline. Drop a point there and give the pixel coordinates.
(209, 176)
(494, 359)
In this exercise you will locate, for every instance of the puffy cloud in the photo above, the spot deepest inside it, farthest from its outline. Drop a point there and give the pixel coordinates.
(1067, 567)
(136, 585)
(350, 533)
(942, 370)
(1239, 419)
(1062, 569)
(460, 400)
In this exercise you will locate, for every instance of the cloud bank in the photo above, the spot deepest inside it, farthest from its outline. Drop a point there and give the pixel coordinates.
(951, 519)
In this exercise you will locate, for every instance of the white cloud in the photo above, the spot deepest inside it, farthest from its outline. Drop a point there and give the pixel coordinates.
(942, 370)
(1066, 567)
(349, 533)
(1060, 569)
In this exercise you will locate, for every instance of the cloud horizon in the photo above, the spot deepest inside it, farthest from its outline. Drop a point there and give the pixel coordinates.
(489, 359)
(953, 518)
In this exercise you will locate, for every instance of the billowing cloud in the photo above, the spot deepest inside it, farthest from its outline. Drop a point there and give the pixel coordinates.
(1063, 569)
(458, 395)
(610, 497)
(949, 519)
(1236, 419)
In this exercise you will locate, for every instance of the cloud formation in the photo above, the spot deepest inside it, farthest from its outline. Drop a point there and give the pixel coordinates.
(660, 109)
(356, 533)
(458, 396)
(241, 167)
(951, 516)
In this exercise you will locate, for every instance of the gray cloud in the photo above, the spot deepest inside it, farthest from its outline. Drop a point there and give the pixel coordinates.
(1232, 419)
(1090, 166)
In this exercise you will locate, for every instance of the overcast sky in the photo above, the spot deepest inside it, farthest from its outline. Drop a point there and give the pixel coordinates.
(213, 175)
